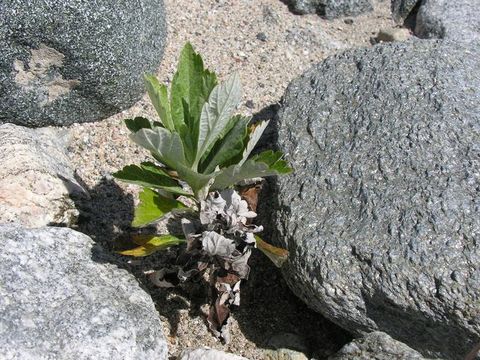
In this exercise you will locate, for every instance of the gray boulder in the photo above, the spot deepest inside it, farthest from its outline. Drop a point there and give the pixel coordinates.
(376, 346)
(57, 303)
(67, 61)
(402, 8)
(330, 8)
(382, 214)
(457, 20)
(37, 183)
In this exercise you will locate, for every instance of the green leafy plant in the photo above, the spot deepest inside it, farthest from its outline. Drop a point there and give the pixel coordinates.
(201, 151)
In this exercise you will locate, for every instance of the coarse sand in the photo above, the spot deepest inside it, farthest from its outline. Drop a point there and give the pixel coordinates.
(268, 46)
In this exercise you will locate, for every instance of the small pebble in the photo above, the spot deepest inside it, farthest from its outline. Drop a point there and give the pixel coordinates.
(262, 36)
(249, 104)
(348, 21)
(391, 35)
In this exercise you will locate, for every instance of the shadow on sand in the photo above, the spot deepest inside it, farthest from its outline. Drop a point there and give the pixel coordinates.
(268, 306)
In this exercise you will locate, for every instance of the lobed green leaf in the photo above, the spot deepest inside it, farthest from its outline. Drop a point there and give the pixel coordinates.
(216, 113)
(227, 147)
(255, 134)
(148, 174)
(268, 163)
(159, 96)
(167, 146)
(191, 87)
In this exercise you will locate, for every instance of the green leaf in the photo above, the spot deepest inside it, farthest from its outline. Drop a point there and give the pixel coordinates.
(138, 123)
(152, 243)
(159, 96)
(167, 146)
(153, 206)
(274, 160)
(254, 137)
(267, 163)
(150, 175)
(198, 182)
(191, 85)
(276, 254)
(217, 112)
(227, 147)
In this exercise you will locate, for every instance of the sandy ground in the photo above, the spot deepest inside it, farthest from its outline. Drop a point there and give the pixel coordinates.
(268, 46)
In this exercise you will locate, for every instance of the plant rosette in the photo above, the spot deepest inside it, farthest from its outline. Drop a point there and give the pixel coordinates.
(201, 151)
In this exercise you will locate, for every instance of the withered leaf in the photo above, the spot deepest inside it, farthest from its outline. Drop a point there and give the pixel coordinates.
(216, 244)
(217, 317)
(250, 195)
(277, 255)
(230, 279)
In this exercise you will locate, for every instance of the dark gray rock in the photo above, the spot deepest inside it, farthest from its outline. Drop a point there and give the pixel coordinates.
(57, 303)
(457, 20)
(402, 8)
(66, 61)
(382, 214)
(376, 346)
(330, 8)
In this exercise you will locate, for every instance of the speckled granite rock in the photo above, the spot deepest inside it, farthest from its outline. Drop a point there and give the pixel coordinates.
(57, 303)
(376, 346)
(36, 181)
(402, 8)
(208, 354)
(382, 214)
(457, 20)
(330, 8)
(66, 61)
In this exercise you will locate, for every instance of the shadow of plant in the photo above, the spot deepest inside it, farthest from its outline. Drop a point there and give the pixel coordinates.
(268, 306)
(105, 215)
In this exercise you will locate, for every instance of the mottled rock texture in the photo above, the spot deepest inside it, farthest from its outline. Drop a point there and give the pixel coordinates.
(57, 303)
(330, 8)
(457, 20)
(378, 346)
(66, 61)
(37, 183)
(382, 214)
(402, 8)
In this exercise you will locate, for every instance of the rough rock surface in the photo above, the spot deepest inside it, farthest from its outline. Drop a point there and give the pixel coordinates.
(376, 345)
(330, 8)
(36, 180)
(402, 8)
(208, 354)
(458, 20)
(284, 354)
(382, 214)
(66, 61)
(57, 303)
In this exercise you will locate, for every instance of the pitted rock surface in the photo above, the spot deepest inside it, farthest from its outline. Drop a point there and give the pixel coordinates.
(67, 61)
(57, 303)
(330, 8)
(457, 20)
(382, 214)
(378, 346)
